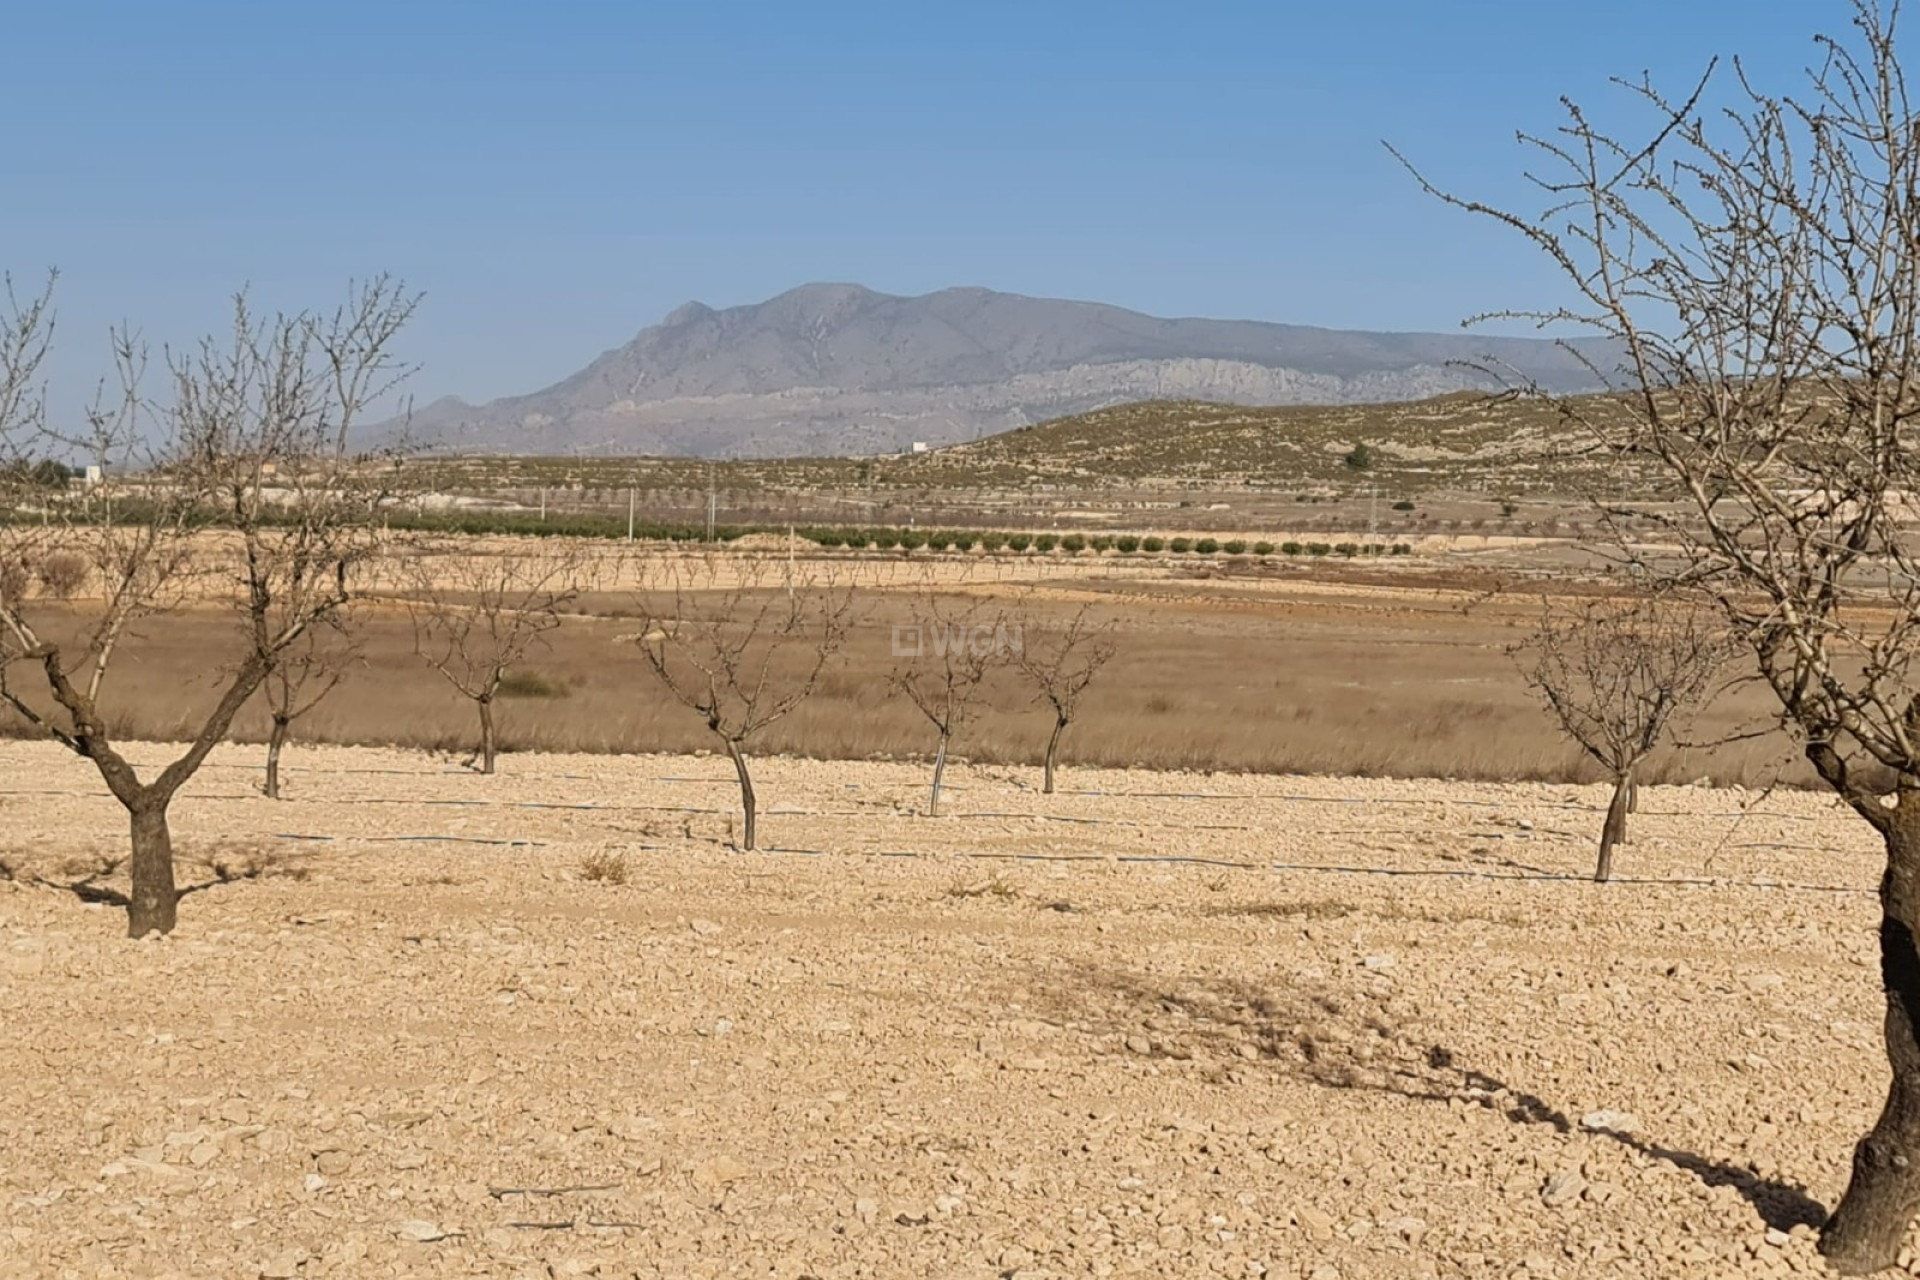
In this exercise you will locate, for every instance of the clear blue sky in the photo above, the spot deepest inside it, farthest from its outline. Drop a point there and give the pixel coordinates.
(558, 175)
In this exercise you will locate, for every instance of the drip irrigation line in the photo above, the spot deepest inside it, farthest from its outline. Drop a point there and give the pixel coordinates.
(504, 844)
(1678, 882)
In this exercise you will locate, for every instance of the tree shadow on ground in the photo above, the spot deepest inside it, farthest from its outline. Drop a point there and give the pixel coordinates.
(1339, 1041)
(89, 883)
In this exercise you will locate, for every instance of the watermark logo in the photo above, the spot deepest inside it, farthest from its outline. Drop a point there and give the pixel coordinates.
(911, 640)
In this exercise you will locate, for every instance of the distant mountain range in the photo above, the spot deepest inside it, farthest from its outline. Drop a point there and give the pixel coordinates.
(837, 369)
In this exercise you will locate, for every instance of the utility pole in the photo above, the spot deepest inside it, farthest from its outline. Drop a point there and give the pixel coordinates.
(1373, 515)
(630, 505)
(711, 502)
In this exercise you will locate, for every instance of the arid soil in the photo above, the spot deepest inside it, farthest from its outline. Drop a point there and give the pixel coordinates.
(1163, 1024)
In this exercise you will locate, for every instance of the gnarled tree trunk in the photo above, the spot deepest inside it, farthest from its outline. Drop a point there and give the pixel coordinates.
(276, 740)
(1053, 754)
(154, 901)
(486, 734)
(739, 757)
(1615, 830)
(1867, 1228)
(939, 768)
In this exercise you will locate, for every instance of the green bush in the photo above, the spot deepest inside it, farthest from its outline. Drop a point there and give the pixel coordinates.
(829, 538)
(912, 539)
(1263, 548)
(1403, 505)
(1360, 458)
(1019, 541)
(1127, 544)
(1290, 548)
(1045, 542)
(1153, 544)
(530, 684)
(963, 541)
(1235, 547)
(1180, 546)
(1346, 549)
(885, 539)
(1101, 542)
(1206, 546)
(1318, 549)
(1073, 544)
(992, 541)
(1402, 549)
(939, 540)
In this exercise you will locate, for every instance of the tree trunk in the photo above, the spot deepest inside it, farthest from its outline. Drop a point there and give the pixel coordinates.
(1866, 1230)
(1615, 829)
(152, 906)
(1053, 754)
(486, 735)
(939, 768)
(739, 758)
(275, 741)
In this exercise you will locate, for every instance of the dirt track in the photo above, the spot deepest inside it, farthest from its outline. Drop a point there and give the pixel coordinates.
(366, 1059)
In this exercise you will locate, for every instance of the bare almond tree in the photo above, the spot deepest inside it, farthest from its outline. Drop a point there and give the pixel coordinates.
(1753, 261)
(944, 657)
(309, 670)
(741, 645)
(478, 614)
(1060, 662)
(236, 490)
(1618, 676)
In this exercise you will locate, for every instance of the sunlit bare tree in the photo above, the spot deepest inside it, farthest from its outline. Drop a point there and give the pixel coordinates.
(1059, 662)
(478, 613)
(306, 673)
(1754, 260)
(1619, 676)
(741, 643)
(235, 488)
(943, 658)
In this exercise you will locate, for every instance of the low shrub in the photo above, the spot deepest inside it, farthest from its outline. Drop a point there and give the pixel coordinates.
(1318, 549)
(1263, 548)
(1045, 542)
(1206, 546)
(1019, 541)
(1153, 544)
(1290, 548)
(1234, 547)
(1126, 544)
(1073, 544)
(530, 684)
(1180, 546)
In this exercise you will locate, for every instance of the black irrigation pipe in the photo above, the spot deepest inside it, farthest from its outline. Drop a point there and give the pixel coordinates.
(505, 844)
(1683, 882)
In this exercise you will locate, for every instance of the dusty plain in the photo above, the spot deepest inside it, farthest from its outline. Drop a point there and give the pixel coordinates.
(1163, 1024)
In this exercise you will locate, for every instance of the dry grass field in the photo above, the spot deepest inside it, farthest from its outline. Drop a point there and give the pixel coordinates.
(1394, 672)
(421, 1023)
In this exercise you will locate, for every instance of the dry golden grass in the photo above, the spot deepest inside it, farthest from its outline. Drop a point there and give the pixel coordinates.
(1228, 674)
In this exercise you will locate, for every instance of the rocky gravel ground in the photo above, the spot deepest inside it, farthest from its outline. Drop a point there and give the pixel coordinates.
(423, 1023)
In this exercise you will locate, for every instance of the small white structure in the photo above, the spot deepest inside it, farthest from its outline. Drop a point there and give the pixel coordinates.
(918, 446)
(95, 474)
